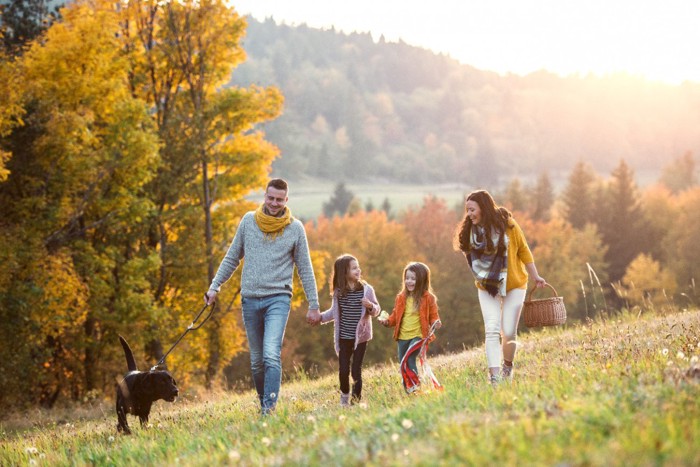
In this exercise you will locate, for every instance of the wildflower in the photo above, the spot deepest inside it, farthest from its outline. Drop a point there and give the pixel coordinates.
(264, 424)
(234, 455)
(664, 352)
(680, 355)
(693, 359)
(311, 418)
(32, 462)
(341, 418)
(407, 424)
(110, 439)
(395, 437)
(266, 441)
(31, 450)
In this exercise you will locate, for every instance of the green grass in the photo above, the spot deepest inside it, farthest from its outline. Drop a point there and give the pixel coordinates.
(306, 198)
(616, 392)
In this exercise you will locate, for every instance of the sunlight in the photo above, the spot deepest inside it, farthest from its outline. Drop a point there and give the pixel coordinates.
(654, 40)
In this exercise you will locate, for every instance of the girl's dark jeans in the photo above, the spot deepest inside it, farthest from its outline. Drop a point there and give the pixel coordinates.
(350, 362)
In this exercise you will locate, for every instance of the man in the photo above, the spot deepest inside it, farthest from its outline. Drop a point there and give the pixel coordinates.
(272, 242)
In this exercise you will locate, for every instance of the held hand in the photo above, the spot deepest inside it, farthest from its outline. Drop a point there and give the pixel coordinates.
(313, 317)
(437, 324)
(210, 297)
(383, 322)
(540, 282)
(367, 303)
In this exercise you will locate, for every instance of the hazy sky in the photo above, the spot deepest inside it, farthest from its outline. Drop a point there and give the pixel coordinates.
(656, 39)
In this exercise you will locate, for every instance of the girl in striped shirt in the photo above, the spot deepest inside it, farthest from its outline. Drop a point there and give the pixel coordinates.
(354, 304)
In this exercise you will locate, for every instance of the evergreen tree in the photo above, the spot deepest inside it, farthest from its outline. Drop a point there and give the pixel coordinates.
(515, 197)
(543, 198)
(680, 174)
(386, 207)
(24, 20)
(578, 196)
(339, 202)
(621, 223)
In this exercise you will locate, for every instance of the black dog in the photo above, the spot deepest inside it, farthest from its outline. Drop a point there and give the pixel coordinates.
(139, 389)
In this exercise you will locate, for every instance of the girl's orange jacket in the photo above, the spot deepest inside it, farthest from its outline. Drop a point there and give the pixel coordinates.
(428, 313)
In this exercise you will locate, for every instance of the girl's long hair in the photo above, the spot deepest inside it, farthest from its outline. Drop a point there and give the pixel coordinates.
(422, 273)
(339, 278)
(493, 218)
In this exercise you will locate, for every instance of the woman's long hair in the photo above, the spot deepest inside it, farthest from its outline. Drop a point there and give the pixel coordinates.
(339, 278)
(493, 218)
(422, 273)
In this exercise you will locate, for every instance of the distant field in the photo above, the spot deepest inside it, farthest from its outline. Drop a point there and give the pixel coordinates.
(306, 198)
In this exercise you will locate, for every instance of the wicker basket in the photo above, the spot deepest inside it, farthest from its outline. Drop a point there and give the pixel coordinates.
(544, 311)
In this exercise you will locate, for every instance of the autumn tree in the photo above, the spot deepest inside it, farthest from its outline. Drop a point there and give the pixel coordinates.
(565, 256)
(647, 285)
(683, 246)
(71, 207)
(183, 54)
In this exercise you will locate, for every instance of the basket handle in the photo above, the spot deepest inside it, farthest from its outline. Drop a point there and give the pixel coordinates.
(534, 287)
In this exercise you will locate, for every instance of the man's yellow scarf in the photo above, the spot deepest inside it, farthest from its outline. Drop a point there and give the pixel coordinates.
(272, 226)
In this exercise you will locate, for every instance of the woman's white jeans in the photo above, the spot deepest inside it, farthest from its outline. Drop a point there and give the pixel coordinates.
(501, 316)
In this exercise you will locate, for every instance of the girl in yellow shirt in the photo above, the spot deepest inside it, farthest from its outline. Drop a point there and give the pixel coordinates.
(415, 311)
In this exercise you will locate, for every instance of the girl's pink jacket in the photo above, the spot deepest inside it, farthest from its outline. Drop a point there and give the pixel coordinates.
(364, 327)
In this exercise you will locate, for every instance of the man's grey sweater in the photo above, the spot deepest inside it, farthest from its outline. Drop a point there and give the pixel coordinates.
(269, 262)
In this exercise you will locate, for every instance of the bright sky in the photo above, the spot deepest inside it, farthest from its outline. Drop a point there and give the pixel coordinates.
(657, 39)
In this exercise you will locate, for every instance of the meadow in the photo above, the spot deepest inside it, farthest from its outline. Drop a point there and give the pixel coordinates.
(306, 198)
(617, 391)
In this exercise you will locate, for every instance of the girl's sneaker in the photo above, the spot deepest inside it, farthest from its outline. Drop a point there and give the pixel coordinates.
(344, 399)
(507, 373)
(495, 380)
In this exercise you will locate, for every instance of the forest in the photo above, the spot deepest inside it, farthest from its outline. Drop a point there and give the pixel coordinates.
(403, 113)
(132, 137)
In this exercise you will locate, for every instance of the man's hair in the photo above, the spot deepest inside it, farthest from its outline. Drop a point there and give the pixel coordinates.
(277, 183)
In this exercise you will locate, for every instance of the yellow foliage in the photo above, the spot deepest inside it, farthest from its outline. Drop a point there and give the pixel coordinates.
(646, 282)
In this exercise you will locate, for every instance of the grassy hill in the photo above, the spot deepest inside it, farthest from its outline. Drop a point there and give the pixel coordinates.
(621, 391)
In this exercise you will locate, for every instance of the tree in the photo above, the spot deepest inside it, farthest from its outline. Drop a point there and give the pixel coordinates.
(680, 174)
(682, 243)
(577, 196)
(183, 54)
(71, 207)
(11, 109)
(515, 197)
(339, 202)
(647, 284)
(621, 223)
(23, 21)
(543, 198)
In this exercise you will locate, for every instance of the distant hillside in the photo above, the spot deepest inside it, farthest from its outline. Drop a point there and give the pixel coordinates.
(356, 109)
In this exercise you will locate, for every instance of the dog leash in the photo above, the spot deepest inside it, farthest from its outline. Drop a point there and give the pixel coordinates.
(191, 327)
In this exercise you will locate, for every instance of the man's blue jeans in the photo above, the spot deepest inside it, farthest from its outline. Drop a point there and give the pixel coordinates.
(265, 320)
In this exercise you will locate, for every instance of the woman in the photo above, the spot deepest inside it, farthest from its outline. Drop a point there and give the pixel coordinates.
(498, 255)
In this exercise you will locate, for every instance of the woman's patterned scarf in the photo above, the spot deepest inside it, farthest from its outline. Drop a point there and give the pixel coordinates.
(489, 266)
